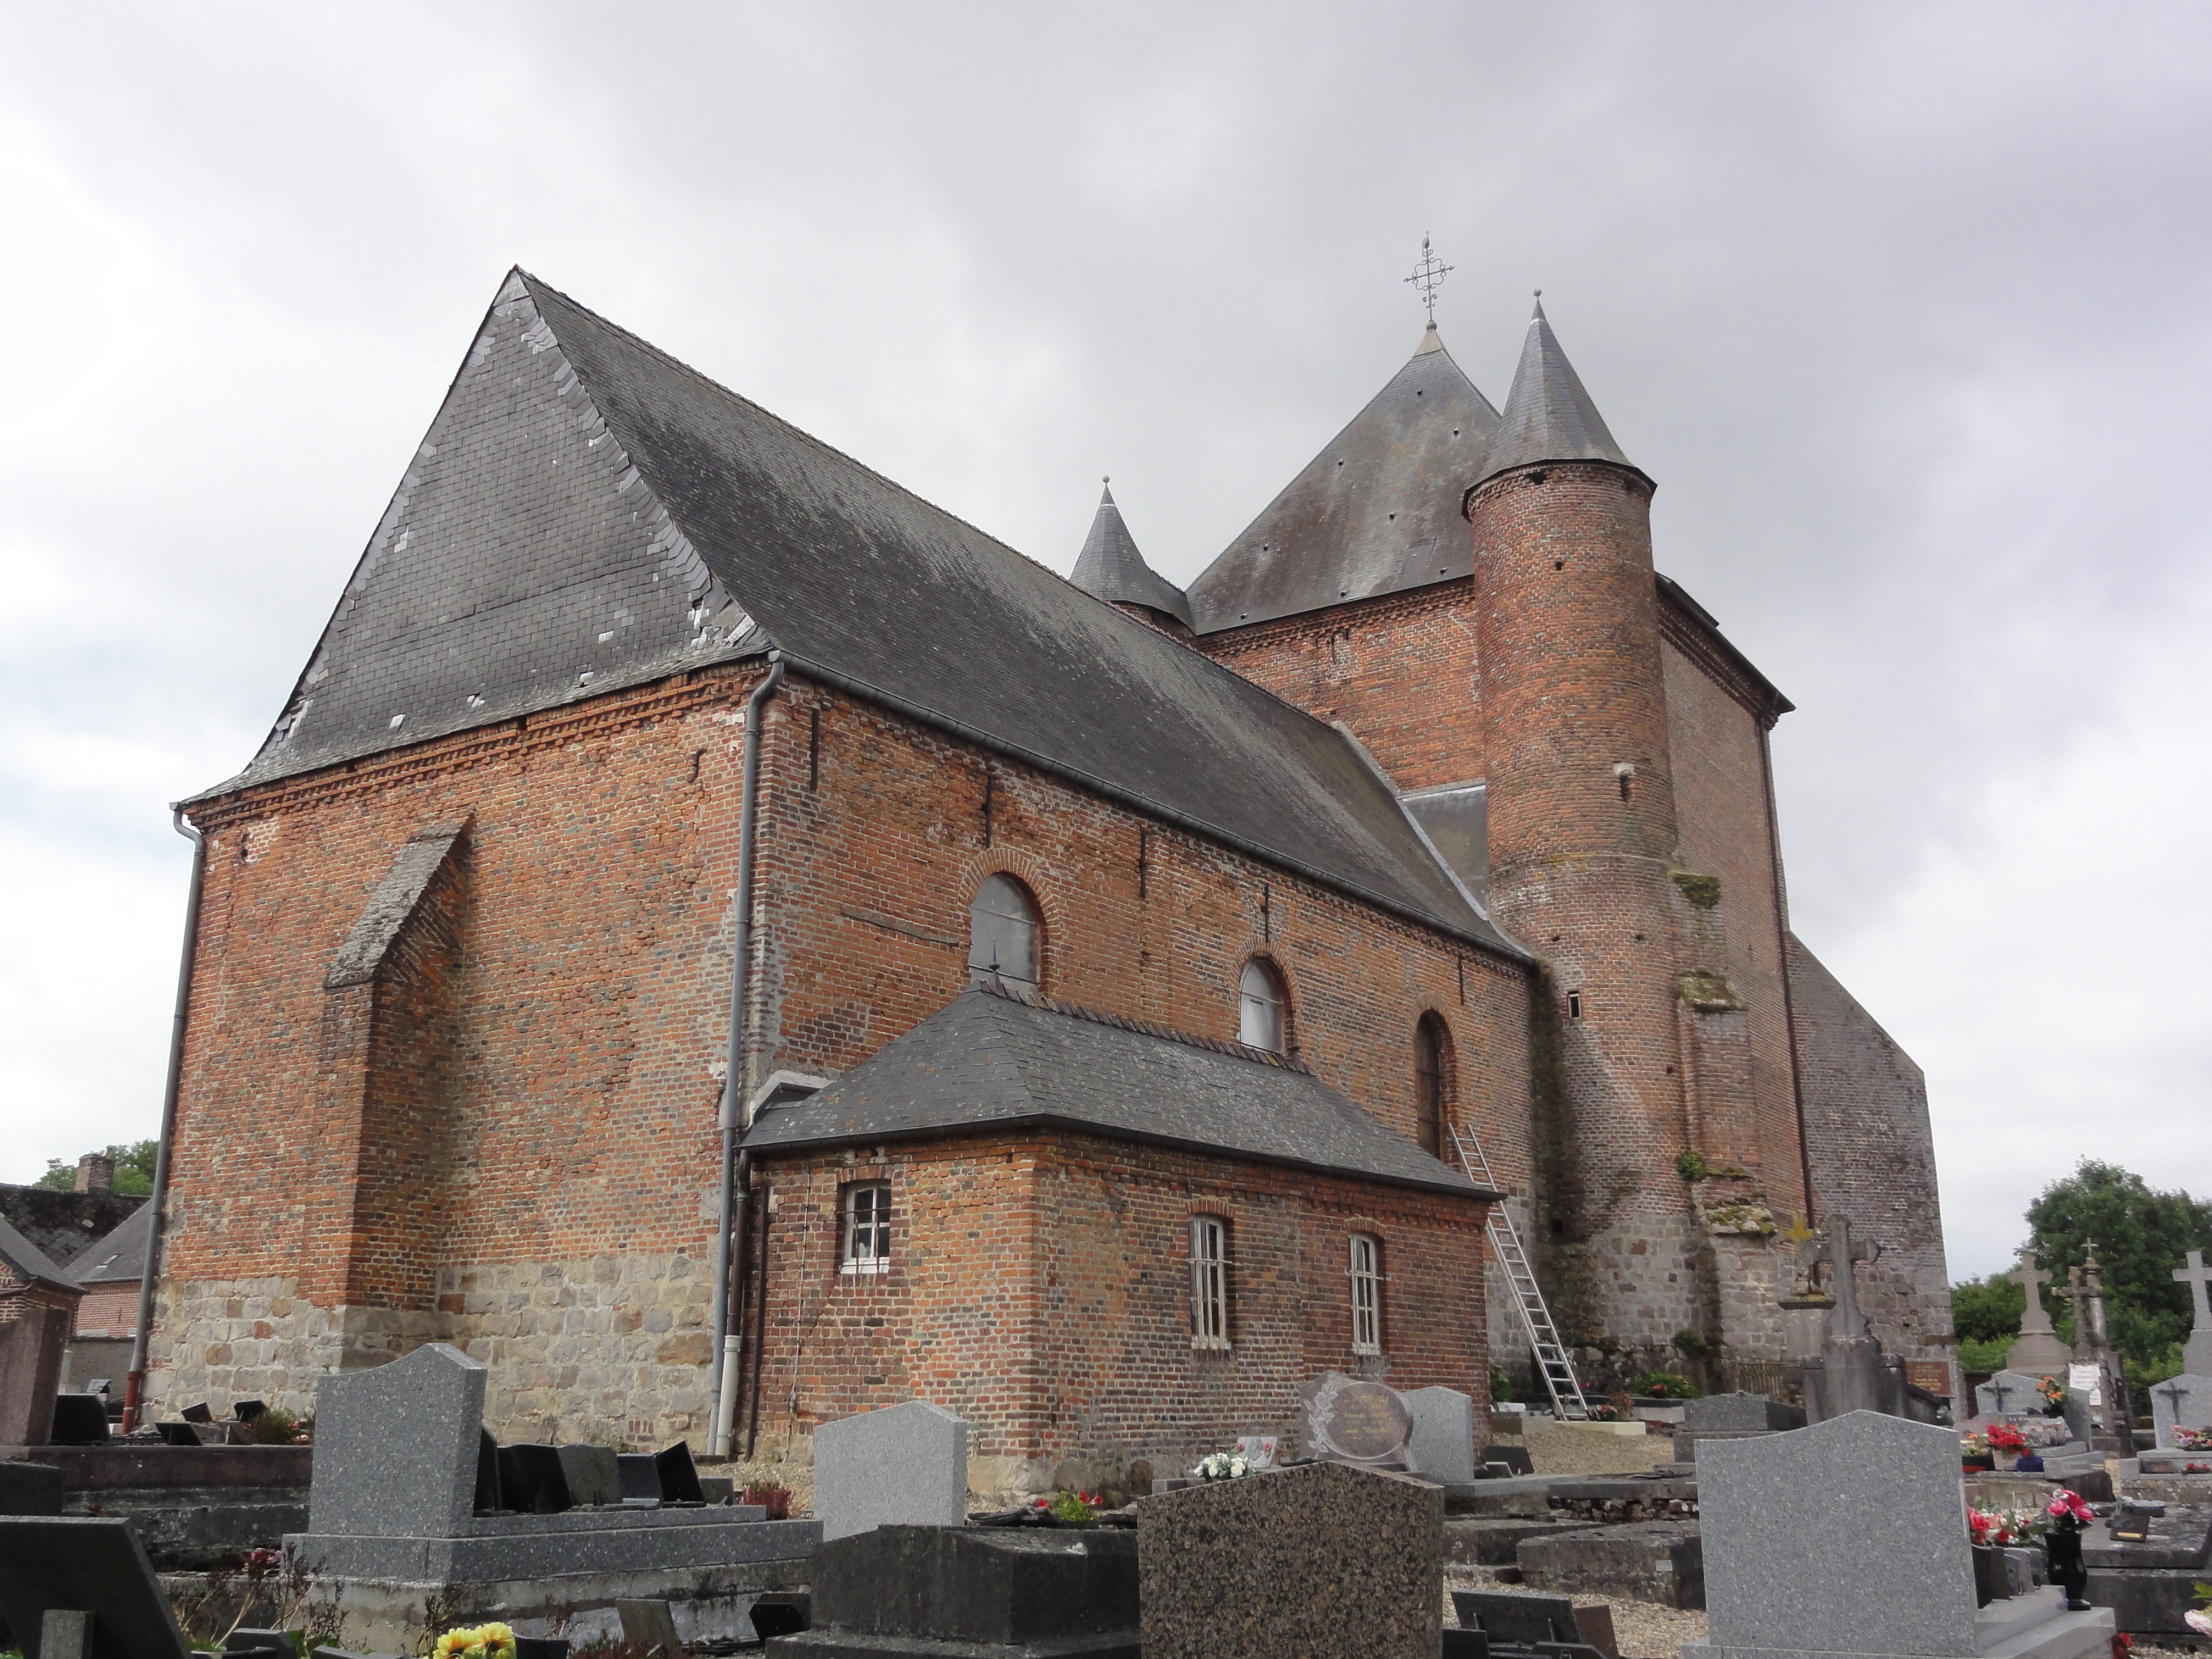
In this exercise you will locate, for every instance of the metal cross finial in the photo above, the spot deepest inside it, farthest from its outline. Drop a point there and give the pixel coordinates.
(1428, 276)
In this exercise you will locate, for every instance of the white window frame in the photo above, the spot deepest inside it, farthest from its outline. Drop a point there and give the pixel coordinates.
(864, 1243)
(1366, 1272)
(1209, 1282)
(1258, 1008)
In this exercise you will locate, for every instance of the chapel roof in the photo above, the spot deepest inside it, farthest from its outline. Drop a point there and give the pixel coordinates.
(29, 1262)
(1375, 512)
(119, 1256)
(994, 1059)
(63, 1224)
(587, 512)
(1111, 568)
(1549, 416)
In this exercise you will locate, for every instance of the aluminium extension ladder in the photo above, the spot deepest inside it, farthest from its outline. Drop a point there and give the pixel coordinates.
(1551, 1361)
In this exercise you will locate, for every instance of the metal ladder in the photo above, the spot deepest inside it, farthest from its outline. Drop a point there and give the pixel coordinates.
(1558, 1371)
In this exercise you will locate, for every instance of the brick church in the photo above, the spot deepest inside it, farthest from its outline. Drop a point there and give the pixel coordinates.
(711, 931)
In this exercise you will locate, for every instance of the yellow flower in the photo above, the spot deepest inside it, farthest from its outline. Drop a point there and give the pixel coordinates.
(454, 1643)
(497, 1642)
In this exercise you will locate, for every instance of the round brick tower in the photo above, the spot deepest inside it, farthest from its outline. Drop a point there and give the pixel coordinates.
(1583, 847)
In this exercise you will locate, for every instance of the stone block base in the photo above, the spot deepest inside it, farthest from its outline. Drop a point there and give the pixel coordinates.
(1660, 1561)
(1495, 1541)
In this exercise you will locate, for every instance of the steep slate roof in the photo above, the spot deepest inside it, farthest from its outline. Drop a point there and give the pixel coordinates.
(62, 1225)
(1548, 415)
(1375, 512)
(118, 1257)
(1110, 567)
(31, 1263)
(589, 512)
(995, 1060)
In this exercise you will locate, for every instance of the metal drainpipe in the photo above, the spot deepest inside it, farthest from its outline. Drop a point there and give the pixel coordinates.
(135, 1382)
(727, 1338)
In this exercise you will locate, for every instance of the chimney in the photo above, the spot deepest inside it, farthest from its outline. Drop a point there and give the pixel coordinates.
(95, 1173)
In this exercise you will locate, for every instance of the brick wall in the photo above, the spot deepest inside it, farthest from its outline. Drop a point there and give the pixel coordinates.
(108, 1310)
(1039, 1288)
(535, 1095)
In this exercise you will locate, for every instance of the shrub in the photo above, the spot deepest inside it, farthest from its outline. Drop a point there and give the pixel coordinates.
(1664, 1385)
(1501, 1386)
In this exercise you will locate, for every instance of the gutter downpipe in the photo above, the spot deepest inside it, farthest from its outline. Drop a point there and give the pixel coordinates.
(729, 1339)
(135, 1382)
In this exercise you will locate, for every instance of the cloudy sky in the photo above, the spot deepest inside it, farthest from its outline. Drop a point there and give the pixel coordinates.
(1906, 308)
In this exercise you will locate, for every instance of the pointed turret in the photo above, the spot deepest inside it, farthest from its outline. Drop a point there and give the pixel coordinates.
(1548, 415)
(1111, 569)
(1375, 512)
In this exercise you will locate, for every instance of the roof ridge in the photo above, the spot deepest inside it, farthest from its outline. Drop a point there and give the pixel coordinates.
(1043, 1004)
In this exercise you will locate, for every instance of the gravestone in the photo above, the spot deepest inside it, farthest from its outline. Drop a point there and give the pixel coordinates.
(593, 1476)
(2010, 1395)
(975, 1593)
(2038, 1352)
(1441, 1446)
(639, 1474)
(1257, 1449)
(202, 1413)
(679, 1476)
(2149, 1581)
(907, 1464)
(1849, 1537)
(2196, 1353)
(1852, 1373)
(396, 1448)
(80, 1420)
(531, 1480)
(1741, 1413)
(1324, 1561)
(2181, 1402)
(30, 1489)
(87, 1564)
(31, 1351)
(1355, 1422)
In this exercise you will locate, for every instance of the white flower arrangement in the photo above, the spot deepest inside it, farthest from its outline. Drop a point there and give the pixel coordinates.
(1223, 1466)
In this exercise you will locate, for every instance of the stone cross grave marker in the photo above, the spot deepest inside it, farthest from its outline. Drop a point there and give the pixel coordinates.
(1442, 1445)
(85, 1565)
(1356, 1422)
(907, 1464)
(1849, 1537)
(2181, 1402)
(396, 1446)
(2039, 1350)
(1324, 1560)
(2196, 1356)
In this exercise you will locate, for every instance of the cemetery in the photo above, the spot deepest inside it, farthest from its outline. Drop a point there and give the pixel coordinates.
(1384, 1525)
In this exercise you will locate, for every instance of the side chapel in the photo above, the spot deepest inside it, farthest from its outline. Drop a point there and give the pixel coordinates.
(1077, 1002)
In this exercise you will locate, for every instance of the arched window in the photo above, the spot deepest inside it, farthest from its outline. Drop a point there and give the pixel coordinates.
(1002, 934)
(1431, 1084)
(1262, 1007)
(1366, 1276)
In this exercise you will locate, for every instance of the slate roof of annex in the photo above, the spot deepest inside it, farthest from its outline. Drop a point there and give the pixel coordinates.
(1110, 567)
(997, 1059)
(495, 577)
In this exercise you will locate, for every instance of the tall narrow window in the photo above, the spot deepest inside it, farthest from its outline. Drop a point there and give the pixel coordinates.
(1366, 1294)
(867, 1227)
(1209, 1282)
(1431, 1084)
(1260, 1005)
(1002, 934)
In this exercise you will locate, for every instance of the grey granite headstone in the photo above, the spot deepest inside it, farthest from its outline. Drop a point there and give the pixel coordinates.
(1741, 1413)
(1847, 1537)
(2184, 1401)
(907, 1463)
(592, 1475)
(2010, 1394)
(396, 1446)
(1441, 1445)
(1323, 1560)
(1354, 1421)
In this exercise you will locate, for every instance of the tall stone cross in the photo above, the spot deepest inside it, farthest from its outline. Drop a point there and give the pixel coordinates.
(2196, 1276)
(2034, 1319)
(2076, 1300)
(1840, 1253)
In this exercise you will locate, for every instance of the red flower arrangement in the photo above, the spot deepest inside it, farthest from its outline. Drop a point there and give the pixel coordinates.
(2068, 1509)
(2003, 1438)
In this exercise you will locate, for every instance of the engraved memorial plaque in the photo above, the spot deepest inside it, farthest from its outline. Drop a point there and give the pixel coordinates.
(1358, 1422)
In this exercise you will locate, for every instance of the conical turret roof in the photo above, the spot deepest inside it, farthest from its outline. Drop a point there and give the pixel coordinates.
(1111, 568)
(1548, 415)
(1375, 512)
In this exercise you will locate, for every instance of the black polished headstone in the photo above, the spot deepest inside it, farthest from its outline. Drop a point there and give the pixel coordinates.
(80, 1420)
(85, 1563)
(177, 1434)
(1465, 1644)
(1069, 1591)
(30, 1489)
(200, 1414)
(531, 1480)
(782, 1612)
(487, 1494)
(1518, 1621)
(641, 1477)
(541, 1647)
(246, 1410)
(679, 1479)
(1514, 1459)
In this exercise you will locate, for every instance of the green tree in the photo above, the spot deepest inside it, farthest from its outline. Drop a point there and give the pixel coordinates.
(1988, 1309)
(134, 1169)
(2141, 1235)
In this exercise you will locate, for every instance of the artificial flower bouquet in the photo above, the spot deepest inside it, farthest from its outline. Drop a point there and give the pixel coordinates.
(483, 1642)
(1972, 1447)
(2004, 1529)
(2004, 1437)
(2054, 1395)
(1223, 1466)
(2192, 1439)
(2067, 1511)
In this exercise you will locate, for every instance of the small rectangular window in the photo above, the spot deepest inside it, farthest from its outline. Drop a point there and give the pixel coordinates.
(867, 1228)
(1209, 1282)
(1366, 1274)
(1574, 1005)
